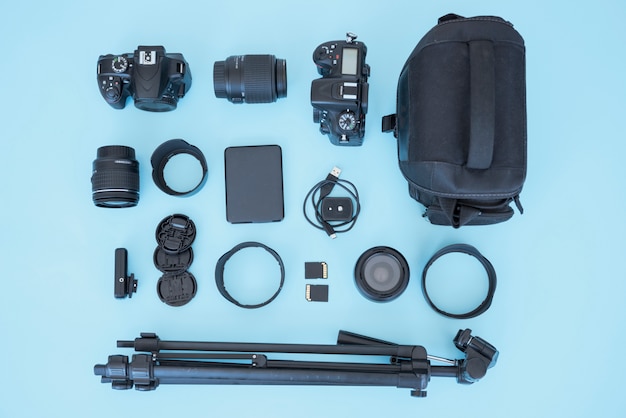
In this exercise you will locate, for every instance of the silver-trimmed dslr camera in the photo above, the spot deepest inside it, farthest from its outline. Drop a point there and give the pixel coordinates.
(339, 98)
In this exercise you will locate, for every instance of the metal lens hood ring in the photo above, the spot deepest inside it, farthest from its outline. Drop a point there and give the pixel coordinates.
(164, 153)
(491, 275)
(219, 273)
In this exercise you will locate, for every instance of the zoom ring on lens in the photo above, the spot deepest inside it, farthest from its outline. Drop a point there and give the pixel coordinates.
(259, 79)
(118, 180)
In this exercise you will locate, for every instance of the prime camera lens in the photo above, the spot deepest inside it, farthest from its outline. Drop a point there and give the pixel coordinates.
(115, 177)
(250, 78)
(381, 274)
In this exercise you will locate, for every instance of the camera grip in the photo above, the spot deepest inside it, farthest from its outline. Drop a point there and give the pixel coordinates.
(112, 91)
(113, 79)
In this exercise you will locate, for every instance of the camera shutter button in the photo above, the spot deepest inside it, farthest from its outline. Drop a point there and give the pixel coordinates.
(324, 60)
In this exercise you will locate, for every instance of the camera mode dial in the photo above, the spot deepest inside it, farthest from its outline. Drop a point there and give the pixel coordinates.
(119, 64)
(347, 120)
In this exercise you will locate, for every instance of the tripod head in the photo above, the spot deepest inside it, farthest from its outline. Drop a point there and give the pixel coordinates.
(188, 362)
(479, 356)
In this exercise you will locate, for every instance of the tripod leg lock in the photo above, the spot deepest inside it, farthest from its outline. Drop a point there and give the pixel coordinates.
(122, 374)
(415, 373)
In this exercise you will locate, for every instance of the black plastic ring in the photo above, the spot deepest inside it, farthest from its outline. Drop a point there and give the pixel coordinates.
(491, 274)
(219, 273)
(164, 153)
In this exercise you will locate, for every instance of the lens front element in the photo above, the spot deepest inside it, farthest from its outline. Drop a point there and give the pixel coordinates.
(381, 274)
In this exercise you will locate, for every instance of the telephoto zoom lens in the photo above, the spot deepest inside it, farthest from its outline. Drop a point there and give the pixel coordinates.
(115, 177)
(250, 78)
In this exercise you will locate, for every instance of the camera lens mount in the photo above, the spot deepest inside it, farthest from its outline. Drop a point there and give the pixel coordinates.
(162, 104)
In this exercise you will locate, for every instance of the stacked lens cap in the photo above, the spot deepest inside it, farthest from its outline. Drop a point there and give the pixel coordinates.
(173, 256)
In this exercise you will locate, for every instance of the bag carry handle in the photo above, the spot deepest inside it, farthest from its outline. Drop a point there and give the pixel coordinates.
(482, 104)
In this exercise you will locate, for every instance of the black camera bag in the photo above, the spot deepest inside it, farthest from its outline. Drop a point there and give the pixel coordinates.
(461, 121)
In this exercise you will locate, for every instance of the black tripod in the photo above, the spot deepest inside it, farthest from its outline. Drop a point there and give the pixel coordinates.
(242, 363)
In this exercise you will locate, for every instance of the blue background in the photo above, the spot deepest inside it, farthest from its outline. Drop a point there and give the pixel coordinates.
(558, 313)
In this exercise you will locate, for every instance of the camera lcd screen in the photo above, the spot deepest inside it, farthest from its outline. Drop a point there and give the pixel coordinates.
(349, 61)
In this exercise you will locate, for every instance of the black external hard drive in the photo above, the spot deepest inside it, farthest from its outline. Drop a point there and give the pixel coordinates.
(254, 184)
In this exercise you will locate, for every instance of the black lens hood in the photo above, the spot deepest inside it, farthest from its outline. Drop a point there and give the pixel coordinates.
(491, 275)
(162, 155)
(219, 273)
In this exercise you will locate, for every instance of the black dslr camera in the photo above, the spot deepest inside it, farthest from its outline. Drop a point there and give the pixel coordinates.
(154, 79)
(339, 98)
